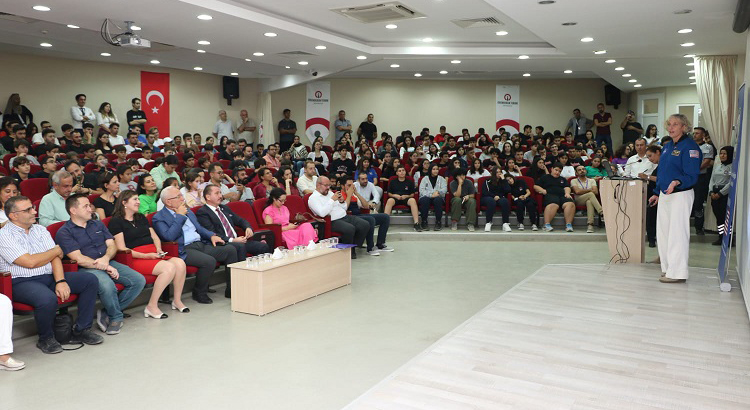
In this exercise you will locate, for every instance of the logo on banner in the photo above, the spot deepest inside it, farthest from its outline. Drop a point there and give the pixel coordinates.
(152, 93)
(507, 97)
(318, 94)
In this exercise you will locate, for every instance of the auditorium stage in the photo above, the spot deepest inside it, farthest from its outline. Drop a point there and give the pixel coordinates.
(586, 337)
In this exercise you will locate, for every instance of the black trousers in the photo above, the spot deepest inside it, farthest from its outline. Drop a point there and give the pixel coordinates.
(204, 257)
(701, 193)
(424, 207)
(353, 230)
(528, 205)
(719, 207)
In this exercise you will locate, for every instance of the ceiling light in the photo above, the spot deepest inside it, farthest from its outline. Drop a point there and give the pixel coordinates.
(427, 40)
(610, 61)
(45, 45)
(637, 86)
(527, 75)
(395, 66)
(198, 68)
(685, 30)
(693, 83)
(286, 66)
(135, 28)
(633, 80)
(259, 54)
(689, 56)
(417, 75)
(270, 34)
(303, 63)
(204, 42)
(391, 26)
(600, 52)
(248, 60)
(155, 61)
(587, 39)
(523, 57)
(501, 33)
(692, 77)
(320, 47)
(691, 72)
(568, 72)
(41, 8)
(626, 75)
(201, 51)
(204, 17)
(455, 61)
(234, 73)
(443, 72)
(619, 68)
(105, 54)
(687, 44)
(690, 64)
(569, 23)
(72, 26)
(361, 57)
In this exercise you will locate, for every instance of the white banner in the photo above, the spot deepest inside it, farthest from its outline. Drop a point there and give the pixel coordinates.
(317, 122)
(507, 108)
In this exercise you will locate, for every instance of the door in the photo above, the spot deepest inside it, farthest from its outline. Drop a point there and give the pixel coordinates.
(651, 111)
(692, 112)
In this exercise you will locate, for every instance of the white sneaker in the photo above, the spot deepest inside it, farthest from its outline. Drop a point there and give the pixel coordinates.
(454, 226)
(548, 228)
(520, 227)
(506, 227)
(488, 227)
(12, 365)
(590, 229)
(385, 248)
(373, 252)
(534, 227)
(470, 227)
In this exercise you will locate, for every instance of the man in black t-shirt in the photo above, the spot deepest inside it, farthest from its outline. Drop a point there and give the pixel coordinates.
(368, 129)
(631, 129)
(401, 191)
(556, 191)
(287, 130)
(136, 116)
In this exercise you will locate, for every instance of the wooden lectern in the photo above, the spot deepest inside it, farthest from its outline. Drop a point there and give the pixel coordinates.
(624, 206)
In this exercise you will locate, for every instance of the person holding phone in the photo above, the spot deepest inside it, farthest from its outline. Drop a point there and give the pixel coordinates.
(275, 212)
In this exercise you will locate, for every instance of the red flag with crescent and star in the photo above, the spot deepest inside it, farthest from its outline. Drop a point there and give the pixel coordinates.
(155, 101)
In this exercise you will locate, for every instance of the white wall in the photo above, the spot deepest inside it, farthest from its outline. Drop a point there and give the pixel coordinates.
(412, 104)
(48, 86)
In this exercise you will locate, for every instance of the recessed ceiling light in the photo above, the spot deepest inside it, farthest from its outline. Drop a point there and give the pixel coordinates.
(568, 72)
(683, 11)
(569, 23)
(600, 52)
(690, 64)
(303, 63)
(689, 55)
(204, 17)
(198, 68)
(270, 34)
(361, 57)
(587, 39)
(135, 28)
(455, 61)
(45, 45)
(201, 51)
(41, 8)
(105, 54)
(523, 57)
(691, 72)
(687, 44)
(258, 54)
(320, 47)
(685, 30)
(619, 68)
(286, 66)
(395, 66)
(155, 62)
(545, 2)
(693, 83)
(526, 75)
(204, 42)
(248, 60)
(443, 72)
(72, 26)
(610, 61)
(391, 26)
(637, 86)
(692, 77)
(501, 33)
(417, 75)
(234, 73)
(633, 80)
(427, 40)
(626, 75)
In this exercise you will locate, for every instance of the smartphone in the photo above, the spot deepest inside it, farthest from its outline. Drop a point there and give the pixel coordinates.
(162, 254)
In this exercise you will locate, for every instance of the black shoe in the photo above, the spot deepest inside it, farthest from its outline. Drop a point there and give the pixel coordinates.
(418, 227)
(425, 226)
(88, 337)
(211, 290)
(49, 346)
(438, 225)
(203, 299)
(228, 293)
(354, 254)
(700, 232)
(126, 315)
(652, 244)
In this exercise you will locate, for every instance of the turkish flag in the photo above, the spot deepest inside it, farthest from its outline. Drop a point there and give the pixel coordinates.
(155, 101)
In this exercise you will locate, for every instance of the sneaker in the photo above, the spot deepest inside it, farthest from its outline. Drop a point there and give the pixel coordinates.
(470, 227)
(385, 248)
(548, 228)
(438, 226)
(506, 227)
(424, 226)
(102, 320)
(454, 225)
(568, 228)
(49, 346)
(114, 327)
(520, 227)
(590, 229)
(12, 365)
(534, 227)
(418, 227)
(373, 252)
(488, 227)
(88, 337)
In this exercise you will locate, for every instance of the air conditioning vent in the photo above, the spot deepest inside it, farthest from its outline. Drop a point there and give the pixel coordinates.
(478, 22)
(295, 54)
(18, 19)
(377, 13)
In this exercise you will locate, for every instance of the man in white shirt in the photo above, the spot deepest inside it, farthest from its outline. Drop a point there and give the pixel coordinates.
(308, 180)
(368, 191)
(245, 128)
(638, 166)
(81, 114)
(115, 139)
(223, 127)
(38, 138)
(323, 202)
(216, 175)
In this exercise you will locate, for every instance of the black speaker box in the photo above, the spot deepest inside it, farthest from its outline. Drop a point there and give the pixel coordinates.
(231, 88)
(612, 95)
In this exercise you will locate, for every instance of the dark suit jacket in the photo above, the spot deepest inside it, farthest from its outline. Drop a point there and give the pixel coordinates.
(169, 228)
(208, 219)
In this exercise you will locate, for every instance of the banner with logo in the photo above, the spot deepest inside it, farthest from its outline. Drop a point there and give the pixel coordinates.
(317, 117)
(507, 111)
(155, 101)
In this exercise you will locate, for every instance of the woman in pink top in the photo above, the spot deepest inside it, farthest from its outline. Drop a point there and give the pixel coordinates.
(276, 213)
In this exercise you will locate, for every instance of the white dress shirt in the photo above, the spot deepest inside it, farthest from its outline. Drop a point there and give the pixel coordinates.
(637, 165)
(368, 192)
(231, 235)
(77, 115)
(324, 205)
(305, 184)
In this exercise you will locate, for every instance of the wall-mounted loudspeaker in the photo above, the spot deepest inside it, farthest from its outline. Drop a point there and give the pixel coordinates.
(231, 88)
(611, 95)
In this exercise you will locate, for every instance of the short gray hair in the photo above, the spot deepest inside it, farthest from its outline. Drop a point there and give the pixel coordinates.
(683, 119)
(58, 176)
(163, 194)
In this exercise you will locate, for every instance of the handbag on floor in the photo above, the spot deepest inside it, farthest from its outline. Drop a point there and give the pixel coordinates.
(63, 328)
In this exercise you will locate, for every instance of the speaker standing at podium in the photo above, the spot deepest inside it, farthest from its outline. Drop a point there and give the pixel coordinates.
(679, 166)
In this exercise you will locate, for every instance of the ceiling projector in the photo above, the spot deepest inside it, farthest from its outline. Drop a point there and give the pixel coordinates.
(132, 41)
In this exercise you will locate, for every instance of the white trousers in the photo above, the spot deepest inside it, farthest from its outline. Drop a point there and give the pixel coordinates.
(673, 232)
(6, 325)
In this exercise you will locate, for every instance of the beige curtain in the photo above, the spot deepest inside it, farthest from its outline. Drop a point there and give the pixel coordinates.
(266, 133)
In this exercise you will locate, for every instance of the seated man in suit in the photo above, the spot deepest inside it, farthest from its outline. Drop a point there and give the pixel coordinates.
(220, 219)
(198, 246)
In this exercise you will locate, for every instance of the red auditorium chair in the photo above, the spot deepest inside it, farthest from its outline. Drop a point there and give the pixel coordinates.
(35, 188)
(296, 205)
(260, 233)
(6, 160)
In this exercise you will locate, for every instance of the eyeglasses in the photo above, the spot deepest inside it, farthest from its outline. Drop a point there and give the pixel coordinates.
(174, 197)
(27, 210)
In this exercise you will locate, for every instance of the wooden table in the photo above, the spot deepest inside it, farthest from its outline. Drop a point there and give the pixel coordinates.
(284, 282)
